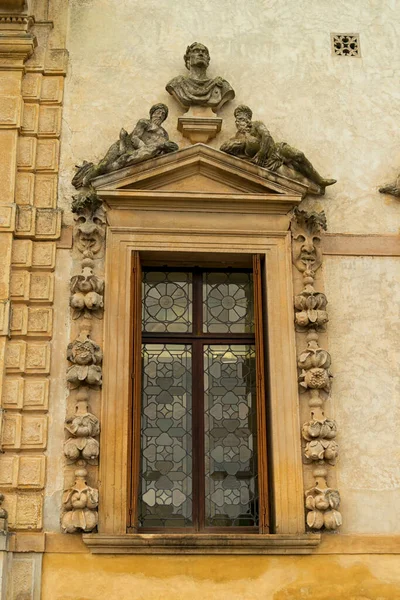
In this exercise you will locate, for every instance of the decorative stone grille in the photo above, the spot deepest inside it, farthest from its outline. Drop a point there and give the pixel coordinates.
(345, 44)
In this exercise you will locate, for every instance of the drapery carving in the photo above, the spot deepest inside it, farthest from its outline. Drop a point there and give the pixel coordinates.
(315, 379)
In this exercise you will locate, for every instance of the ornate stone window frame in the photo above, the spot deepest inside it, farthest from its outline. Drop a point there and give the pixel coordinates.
(145, 215)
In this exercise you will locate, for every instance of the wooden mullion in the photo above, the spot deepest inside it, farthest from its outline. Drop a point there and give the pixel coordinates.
(260, 399)
(136, 390)
(198, 403)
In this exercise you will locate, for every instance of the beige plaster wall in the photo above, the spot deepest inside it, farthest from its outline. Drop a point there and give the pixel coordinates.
(342, 112)
(364, 333)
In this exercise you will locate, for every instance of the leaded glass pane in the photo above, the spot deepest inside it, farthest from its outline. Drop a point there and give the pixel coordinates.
(166, 431)
(167, 301)
(230, 436)
(228, 303)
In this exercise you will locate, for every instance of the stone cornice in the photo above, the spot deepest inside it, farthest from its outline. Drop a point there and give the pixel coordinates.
(16, 47)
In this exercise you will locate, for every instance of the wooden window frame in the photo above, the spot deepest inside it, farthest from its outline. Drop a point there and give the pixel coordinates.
(197, 339)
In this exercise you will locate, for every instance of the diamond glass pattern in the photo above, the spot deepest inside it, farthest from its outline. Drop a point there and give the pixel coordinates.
(230, 436)
(228, 302)
(167, 301)
(166, 463)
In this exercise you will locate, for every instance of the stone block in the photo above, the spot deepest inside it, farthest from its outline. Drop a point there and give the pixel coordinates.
(40, 322)
(15, 356)
(28, 514)
(24, 582)
(10, 112)
(44, 255)
(10, 504)
(19, 320)
(31, 87)
(26, 153)
(7, 217)
(56, 62)
(13, 393)
(49, 121)
(47, 155)
(11, 433)
(5, 265)
(19, 286)
(8, 471)
(21, 257)
(37, 358)
(30, 119)
(27, 357)
(41, 287)
(24, 186)
(36, 394)
(52, 89)
(8, 149)
(48, 223)
(25, 221)
(33, 432)
(45, 194)
(4, 316)
(31, 472)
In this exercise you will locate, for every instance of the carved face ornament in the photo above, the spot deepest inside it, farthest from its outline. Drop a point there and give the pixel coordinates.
(307, 251)
(89, 230)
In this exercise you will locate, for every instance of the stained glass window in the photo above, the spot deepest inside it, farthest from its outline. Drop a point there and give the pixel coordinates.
(200, 403)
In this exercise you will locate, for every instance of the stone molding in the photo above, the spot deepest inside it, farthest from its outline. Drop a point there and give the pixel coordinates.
(179, 544)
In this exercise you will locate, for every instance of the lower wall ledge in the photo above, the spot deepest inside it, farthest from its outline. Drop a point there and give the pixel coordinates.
(201, 543)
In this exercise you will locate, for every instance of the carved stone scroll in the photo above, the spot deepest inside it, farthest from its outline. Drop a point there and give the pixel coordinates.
(315, 379)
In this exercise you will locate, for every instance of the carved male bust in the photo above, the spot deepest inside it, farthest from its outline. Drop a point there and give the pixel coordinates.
(196, 89)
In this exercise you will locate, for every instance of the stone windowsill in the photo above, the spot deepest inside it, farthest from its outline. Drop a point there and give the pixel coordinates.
(99, 543)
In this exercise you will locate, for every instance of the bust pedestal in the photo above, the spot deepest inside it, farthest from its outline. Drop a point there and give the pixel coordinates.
(199, 124)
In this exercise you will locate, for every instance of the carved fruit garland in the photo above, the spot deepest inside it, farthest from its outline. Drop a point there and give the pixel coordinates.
(320, 448)
(80, 501)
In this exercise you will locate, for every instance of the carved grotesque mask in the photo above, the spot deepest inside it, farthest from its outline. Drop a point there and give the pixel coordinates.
(90, 230)
(307, 251)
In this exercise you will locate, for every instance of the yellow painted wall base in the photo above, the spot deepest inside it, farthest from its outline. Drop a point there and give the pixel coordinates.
(329, 577)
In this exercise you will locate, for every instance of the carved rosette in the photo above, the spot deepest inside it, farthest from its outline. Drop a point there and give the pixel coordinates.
(84, 373)
(320, 449)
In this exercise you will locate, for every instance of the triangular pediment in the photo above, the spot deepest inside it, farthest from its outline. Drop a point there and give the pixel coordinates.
(198, 170)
